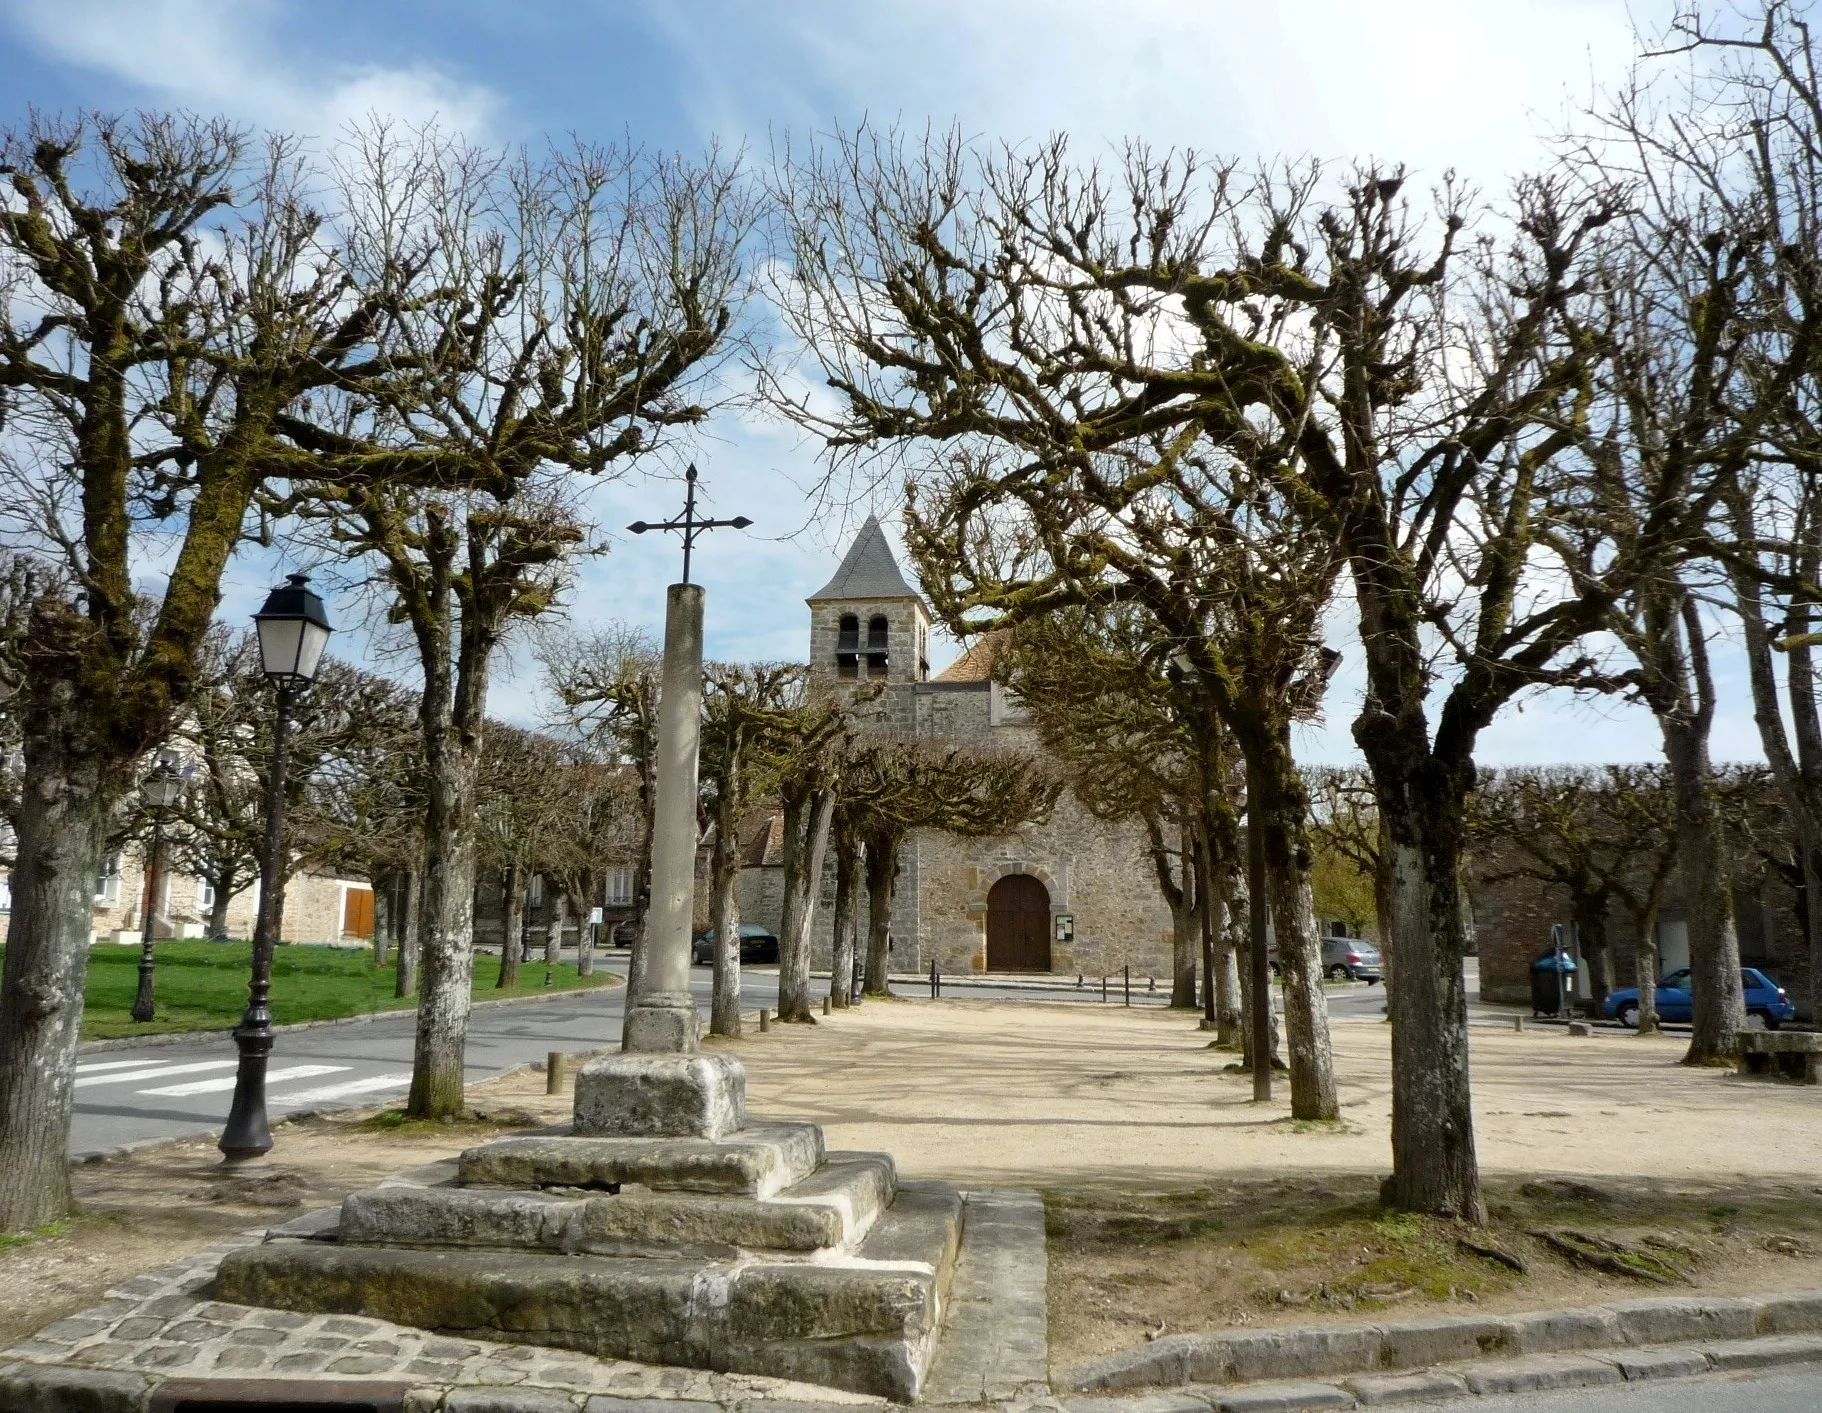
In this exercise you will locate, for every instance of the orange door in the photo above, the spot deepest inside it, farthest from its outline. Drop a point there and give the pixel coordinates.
(357, 913)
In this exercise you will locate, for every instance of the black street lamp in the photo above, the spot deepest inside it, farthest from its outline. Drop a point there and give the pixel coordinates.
(293, 630)
(161, 789)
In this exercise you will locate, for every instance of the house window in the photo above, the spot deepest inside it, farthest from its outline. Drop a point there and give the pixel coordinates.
(107, 886)
(620, 886)
(205, 892)
(879, 636)
(534, 891)
(847, 647)
(6, 894)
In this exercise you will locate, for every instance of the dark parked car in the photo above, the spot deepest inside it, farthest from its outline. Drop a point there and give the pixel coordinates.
(1349, 959)
(1766, 1001)
(624, 932)
(756, 945)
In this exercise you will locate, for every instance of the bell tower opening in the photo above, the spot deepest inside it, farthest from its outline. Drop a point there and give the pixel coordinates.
(867, 622)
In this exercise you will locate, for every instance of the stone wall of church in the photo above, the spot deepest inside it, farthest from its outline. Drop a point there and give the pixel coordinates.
(1097, 873)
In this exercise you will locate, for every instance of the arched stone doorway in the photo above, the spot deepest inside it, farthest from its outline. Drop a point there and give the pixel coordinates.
(1018, 924)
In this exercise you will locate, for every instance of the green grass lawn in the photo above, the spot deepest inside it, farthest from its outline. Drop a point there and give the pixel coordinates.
(203, 986)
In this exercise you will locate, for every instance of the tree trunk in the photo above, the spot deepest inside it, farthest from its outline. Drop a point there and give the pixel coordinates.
(554, 928)
(1230, 1009)
(1645, 969)
(218, 906)
(444, 996)
(1306, 1009)
(1719, 1004)
(1589, 913)
(579, 909)
(411, 937)
(724, 907)
(882, 883)
(62, 841)
(806, 836)
(1434, 1167)
(1185, 925)
(1679, 688)
(381, 884)
(847, 897)
(1273, 785)
(512, 927)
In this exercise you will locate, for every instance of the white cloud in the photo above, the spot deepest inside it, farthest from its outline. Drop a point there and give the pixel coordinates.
(223, 56)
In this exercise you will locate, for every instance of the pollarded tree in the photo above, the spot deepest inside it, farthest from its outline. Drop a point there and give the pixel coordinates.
(1036, 334)
(606, 684)
(521, 796)
(1109, 718)
(743, 708)
(168, 291)
(896, 787)
(1564, 825)
(601, 291)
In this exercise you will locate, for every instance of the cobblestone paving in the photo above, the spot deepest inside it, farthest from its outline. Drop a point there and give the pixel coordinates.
(162, 1325)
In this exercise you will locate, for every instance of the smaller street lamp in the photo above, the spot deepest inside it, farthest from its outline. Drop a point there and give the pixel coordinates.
(293, 631)
(161, 789)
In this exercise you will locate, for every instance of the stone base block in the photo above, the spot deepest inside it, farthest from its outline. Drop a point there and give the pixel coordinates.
(866, 1323)
(830, 1210)
(759, 1161)
(661, 1096)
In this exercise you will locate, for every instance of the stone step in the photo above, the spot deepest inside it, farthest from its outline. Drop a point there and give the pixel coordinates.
(759, 1160)
(866, 1322)
(832, 1208)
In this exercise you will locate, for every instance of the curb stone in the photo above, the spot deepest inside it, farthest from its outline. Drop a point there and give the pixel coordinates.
(1530, 1374)
(1336, 1350)
(1539, 1372)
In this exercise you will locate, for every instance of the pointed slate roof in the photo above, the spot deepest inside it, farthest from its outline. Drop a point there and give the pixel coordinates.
(870, 571)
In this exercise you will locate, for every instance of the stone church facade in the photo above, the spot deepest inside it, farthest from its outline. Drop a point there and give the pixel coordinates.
(1073, 895)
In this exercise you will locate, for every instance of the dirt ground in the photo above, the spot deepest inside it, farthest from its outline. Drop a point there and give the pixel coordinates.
(1158, 1167)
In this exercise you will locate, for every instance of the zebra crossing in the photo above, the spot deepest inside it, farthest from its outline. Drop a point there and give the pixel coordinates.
(221, 1080)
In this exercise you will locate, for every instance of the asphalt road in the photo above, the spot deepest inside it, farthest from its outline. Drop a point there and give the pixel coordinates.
(1798, 1391)
(153, 1092)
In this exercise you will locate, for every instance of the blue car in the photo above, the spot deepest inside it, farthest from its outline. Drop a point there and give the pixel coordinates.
(1763, 999)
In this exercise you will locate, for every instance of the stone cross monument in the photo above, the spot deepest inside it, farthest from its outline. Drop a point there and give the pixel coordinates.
(662, 1226)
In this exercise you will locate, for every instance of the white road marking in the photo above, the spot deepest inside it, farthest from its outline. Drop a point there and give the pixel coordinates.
(114, 1065)
(217, 1086)
(159, 1073)
(328, 1092)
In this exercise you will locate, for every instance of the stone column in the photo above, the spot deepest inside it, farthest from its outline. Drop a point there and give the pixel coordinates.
(661, 1018)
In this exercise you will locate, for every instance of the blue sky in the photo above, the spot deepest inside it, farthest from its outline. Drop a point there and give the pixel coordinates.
(1435, 83)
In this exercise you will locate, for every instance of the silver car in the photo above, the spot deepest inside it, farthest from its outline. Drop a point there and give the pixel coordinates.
(1349, 959)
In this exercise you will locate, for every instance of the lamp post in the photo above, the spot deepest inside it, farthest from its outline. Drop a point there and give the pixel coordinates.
(162, 788)
(293, 630)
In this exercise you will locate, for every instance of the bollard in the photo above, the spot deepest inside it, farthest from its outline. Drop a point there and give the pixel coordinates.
(933, 978)
(765, 1020)
(1518, 1022)
(1127, 973)
(1151, 983)
(1103, 988)
(828, 1006)
(553, 1072)
(1078, 981)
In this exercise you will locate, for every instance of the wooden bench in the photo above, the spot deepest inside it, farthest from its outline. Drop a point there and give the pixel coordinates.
(1796, 1054)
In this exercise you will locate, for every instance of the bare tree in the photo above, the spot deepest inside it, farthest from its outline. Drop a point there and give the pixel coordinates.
(742, 708)
(606, 681)
(168, 294)
(600, 291)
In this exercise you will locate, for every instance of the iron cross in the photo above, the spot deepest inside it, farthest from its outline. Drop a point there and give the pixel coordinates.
(689, 524)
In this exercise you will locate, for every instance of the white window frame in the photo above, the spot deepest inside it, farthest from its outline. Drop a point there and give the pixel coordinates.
(107, 887)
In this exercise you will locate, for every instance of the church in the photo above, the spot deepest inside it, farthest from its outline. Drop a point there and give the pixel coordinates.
(1074, 895)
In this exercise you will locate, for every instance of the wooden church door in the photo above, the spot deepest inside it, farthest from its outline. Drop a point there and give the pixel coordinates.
(1018, 925)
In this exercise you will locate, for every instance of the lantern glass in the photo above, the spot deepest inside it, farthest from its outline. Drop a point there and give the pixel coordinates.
(163, 785)
(293, 631)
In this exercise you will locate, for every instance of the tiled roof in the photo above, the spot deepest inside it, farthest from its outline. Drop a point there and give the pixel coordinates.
(869, 571)
(975, 665)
